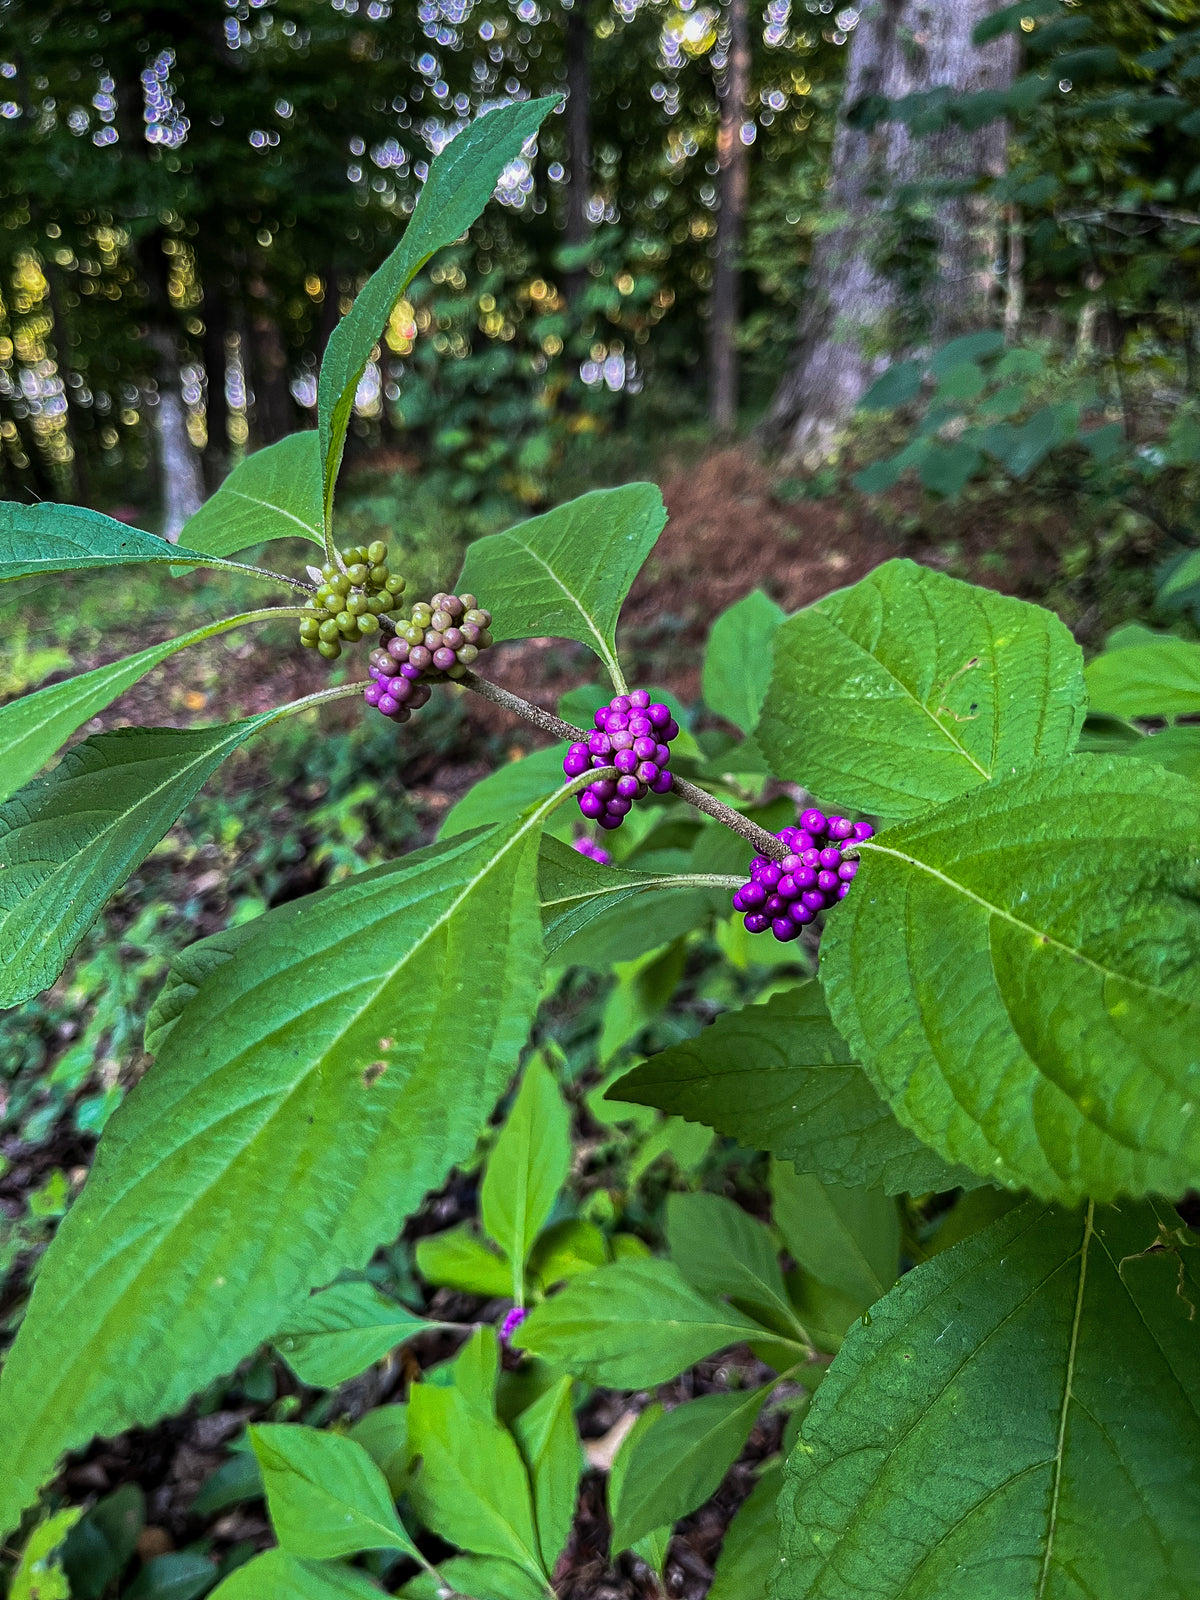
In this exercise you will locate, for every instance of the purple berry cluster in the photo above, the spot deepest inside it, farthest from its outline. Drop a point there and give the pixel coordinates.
(634, 735)
(786, 895)
(440, 640)
(594, 852)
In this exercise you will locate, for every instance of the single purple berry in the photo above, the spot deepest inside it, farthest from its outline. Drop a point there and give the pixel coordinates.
(513, 1319)
(788, 888)
(387, 705)
(397, 648)
(671, 731)
(790, 863)
(599, 744)
(811, 857)
(863, 830)
(847, 871)
(805, 876)
(755, 922)
(640, 698)
(658, 714)
(372, 693)
(771, 874)
(620, 702)
(840, 828)
(775, 905)
(754, 895)
(813, 898)
(641, 727)
(843, 891)
(621, 740)
(645, 749)
(625, 761)
(801, 915)
(831, 856)
(661, 784)
(400, 689)
(647, 771)
(784, 929)
(444, 658)
(410, 669)
(605, 789)
(813, 821)
(618, 806)
(590, 804)
(738, 902)
(662, 754)
(827, 880)
(628, 787)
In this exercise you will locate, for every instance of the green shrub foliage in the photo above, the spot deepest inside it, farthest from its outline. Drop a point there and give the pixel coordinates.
(1007, 1002)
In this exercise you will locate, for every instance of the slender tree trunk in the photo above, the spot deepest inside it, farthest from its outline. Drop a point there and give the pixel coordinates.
(181, 485)
(274, 412)
(852, 325)
(579, 140)
(215, 355)
(79, 478)
(1014, 281)
(734, 163)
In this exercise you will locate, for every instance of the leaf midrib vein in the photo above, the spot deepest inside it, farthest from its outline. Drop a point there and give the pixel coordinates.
(1065, 1410)
(604, 652)
(268, 505)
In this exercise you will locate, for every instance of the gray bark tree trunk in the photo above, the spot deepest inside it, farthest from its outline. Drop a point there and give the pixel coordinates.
(733, 161)
(180, 478)
(854, 319)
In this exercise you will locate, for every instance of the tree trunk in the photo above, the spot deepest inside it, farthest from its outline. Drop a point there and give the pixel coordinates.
(579, 141)
(215, 354)
(61, 342)
(180, 483)
(274, 415)
(855, 319)
(734, 165)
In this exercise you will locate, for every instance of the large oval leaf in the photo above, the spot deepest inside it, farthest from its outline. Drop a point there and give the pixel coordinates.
(911, 687)
(780, 1077)
(1020, 976)
(1146, 675)
(69, 840)
(33, 727)
(566, 574)
(460, 183)
(275, 493)
(46, 538)
(922, 1473)
(303, 1102)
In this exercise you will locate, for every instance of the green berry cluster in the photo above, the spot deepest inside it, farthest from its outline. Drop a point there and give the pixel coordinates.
(443, 635)
(354, 594)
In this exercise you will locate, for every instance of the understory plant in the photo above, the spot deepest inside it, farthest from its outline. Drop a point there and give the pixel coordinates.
(1006, 935)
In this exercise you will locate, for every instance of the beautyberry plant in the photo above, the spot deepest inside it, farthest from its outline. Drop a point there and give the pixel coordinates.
(1007, 1003)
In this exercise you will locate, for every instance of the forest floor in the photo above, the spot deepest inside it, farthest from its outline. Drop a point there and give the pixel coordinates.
(731, 529)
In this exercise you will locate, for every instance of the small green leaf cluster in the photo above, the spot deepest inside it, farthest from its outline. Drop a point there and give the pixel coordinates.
(356, 591)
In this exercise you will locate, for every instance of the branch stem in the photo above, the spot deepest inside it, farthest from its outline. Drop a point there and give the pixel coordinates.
(765, 843)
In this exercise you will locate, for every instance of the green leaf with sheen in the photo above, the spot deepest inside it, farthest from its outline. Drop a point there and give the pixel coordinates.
(39, 1573)
(296, 1112)
(549, 1444)
(69, 840)
(566, 574)
(779, 1077)
(459, 1259)
(383, 1434)
(1019, 1421)
(737, 661)
(275, 493)
(47, 538)
(33, 727)
(679, 1461)
(911, 687)
(724, 1251)
(1157, 677)
(652, 1547)
(477, 1578)
(526, 1169)
(631, 1325)
(343, 1330)
(847, 1238)
(327, 1498)
(1018, 973)
(461, 180)
(275, 1575)
(750, 1548)
(471, 1486)
(506, 791)
(587, 918)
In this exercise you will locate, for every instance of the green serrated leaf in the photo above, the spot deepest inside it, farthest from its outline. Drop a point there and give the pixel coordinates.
(297, 1109)
(471, 1487)
(275, 1575)
(343, 1330)
(631, 1325)
(506, 791)
(921, 1472)
(69, 840)
(724, 1251)
(275, 493)
(678, 1461)
(566, 574)
(33, 727)
(1018, 975)
(460, 183)
(779, 1077)
(846, 1238)
(549, 1444)
(1157, 678)
(912, 687)
(48, 538)
(526, 1169)
(737, 661)
(327, 1498)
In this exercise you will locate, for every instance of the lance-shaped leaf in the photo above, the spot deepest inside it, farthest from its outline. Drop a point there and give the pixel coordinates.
(275, 1575)
(1019, 973)
(1018, 1421)
(549, 1445)
(33, 727)
(585, 906)
(460, 183)
(326, 1496)
(737, 661)
(342, 1331)
(505, 791)
(273, 494)
(1147, 675)
(911, 687)
(631, 1325)
(69, 840)
(679, 1461)
(780, 1077)
(566, 574)
(48, 538)
(527, 1168)
(297, 1111)
(750, 1548)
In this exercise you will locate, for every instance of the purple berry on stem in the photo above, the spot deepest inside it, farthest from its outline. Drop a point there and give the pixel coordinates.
(831, 856)
(788, 888)
(640, 698)
(755, 922)
(754, 895)
(387, 705)
(813, 821)
(661, 784)
(806, 877)
(784, 929)
(771, 874)
(813, 899)
(590, 804)
(827, 880)
(628, 787)
(647, 771)
(840, 828)
(863, 830)
(658, 714)
(625, 761)
(599, 744)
